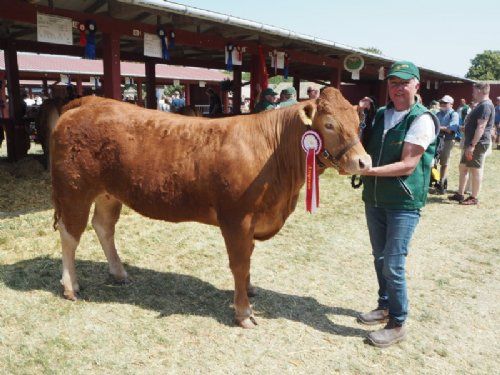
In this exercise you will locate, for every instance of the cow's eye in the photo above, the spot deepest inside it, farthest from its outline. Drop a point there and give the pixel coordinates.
(329, 125)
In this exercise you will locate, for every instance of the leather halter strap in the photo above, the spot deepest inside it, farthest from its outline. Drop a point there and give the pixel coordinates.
(335, 159)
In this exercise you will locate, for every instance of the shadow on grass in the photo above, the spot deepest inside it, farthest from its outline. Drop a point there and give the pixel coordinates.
(172, 293)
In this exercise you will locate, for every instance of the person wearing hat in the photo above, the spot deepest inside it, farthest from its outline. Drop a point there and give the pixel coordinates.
(268, 101)
(287, 97)
(449, 126)
(312, 92)
(402, 145)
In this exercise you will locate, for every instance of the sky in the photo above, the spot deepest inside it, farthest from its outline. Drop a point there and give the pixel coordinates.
(441, 35)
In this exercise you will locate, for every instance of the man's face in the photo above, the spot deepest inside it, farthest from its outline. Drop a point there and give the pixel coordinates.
(271, 98)
(445, 107)
(476, 94)
(402, 92)
(313, 94)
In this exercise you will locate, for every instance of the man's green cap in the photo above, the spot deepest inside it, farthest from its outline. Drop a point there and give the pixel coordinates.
(289, 91)
(269, 91)
(404, 70)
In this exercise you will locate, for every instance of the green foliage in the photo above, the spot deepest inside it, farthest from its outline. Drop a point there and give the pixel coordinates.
(170, 89)
(485, 66)
(374, 50)
(245, 76)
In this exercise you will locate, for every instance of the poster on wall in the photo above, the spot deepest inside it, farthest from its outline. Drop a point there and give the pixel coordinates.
(54, 29)
(152, 45)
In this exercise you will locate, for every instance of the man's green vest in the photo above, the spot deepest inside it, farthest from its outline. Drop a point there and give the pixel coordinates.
(263, 105)
(404, 192)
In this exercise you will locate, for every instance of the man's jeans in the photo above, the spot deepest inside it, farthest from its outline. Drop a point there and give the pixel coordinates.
(390, 234)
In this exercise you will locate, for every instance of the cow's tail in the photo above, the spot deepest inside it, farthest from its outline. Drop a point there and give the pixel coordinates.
(57, 209)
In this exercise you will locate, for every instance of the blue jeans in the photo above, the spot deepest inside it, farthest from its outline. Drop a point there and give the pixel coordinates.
(390, 234)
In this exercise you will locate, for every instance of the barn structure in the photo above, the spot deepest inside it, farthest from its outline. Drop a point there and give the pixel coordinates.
(123, 30)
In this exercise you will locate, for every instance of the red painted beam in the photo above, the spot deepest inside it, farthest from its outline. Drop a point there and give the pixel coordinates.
(111, 65)
(237, 90)
(151, 101)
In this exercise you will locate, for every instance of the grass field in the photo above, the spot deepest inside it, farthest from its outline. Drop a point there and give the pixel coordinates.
(312, 279)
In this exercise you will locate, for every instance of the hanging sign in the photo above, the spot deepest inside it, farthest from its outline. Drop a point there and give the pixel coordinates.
(381, 73)
(177, 82)
(152, 45)
(54, 29)
(312, 145)
(233, 56)
(354, 63)
(277, 60)
(203, 83)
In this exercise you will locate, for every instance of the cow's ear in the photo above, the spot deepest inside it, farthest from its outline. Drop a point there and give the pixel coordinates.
(307, 114)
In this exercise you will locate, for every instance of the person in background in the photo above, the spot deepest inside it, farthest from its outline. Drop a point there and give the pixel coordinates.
(287, 97)
(267, 101)
(477, 139)
(497, 123)
(215, 103)
(448, 119)
(177, 102)
(312, 93)
(434, 107)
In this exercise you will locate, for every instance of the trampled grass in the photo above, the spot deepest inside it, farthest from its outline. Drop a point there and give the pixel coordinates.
(312, 279)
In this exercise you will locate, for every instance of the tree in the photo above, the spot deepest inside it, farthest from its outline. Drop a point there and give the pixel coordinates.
(374, 50)
(485, 66)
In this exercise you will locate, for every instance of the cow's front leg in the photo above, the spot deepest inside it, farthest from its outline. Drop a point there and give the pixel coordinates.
(239, 244)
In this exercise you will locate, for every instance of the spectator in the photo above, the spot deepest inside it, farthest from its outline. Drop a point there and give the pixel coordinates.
(215, 103)
(448, 120)
(497, 123)
(477, 138)
(177, 102)
(312, 93)
(287, 97)
(434, 107)
(267, 101)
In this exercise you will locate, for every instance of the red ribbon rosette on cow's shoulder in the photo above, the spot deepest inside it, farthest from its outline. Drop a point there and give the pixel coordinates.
(312, 145)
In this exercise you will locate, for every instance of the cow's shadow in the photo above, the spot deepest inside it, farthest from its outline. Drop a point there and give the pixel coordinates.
(172, 293)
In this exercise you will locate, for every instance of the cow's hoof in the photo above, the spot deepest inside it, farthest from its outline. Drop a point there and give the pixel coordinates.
(251, 291)
(247, 323)
(70, 295)
(121, 280)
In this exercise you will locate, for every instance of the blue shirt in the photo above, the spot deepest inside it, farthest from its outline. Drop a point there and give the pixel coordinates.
(497, 114)
(450, 120)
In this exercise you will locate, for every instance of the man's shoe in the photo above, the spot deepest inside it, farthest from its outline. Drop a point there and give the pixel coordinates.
(377, 316)
(456, 197)
(389, 335)
(471, 201)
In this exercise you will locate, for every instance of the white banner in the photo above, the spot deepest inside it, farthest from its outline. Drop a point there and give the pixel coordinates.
(152, 45)
(280, 60)
(54, 29)
(236, 57)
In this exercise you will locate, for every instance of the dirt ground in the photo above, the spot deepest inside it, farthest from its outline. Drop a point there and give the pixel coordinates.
(312, 279)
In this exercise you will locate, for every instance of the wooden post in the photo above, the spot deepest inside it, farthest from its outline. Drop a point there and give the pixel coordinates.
(111, 64)
(138, 83)
(3, 98)
(45, 87)
(237, 90)
(17, 137)
(336, 78)
(187, 93)
(79, 86)
(151, 100)
(254, 79)
(296, 84)
(382, 94)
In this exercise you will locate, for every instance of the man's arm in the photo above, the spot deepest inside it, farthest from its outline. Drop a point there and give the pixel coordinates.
(481, 125)
(409, 159)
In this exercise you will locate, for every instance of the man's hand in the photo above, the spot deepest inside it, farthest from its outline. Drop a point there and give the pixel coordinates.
(468, 152)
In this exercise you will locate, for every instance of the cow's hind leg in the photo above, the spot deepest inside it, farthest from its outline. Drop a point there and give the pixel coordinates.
(106, 214)
(71, 224)
(239, 243)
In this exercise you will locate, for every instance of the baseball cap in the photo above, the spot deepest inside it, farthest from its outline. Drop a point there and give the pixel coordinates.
(269, 91)
(446, 99)
(289, 91)
(404, 70)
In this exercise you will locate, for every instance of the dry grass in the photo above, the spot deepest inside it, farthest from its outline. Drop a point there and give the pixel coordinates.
(176, 316)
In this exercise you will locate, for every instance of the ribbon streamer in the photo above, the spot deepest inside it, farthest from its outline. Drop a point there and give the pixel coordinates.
(229, 63)
(164, 48)
(171, 40)
(285, 69)
(90, 46)
(83, 37)
(312, 145)
(239, 49)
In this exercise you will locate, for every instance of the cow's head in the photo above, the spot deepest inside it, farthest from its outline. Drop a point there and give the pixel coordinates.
(337, 121)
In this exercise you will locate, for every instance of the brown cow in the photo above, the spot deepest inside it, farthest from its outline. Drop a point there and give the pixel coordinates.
(242, 173)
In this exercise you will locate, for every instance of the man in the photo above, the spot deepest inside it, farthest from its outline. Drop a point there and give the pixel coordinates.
(177, 102)
(215, 103)
(402, 146)
(312, 93)
(477, 138)
(267, 102)
(448, 120)
(287, 97)
(497, 123)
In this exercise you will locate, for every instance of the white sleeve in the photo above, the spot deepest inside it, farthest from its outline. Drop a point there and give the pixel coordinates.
(422, 131)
